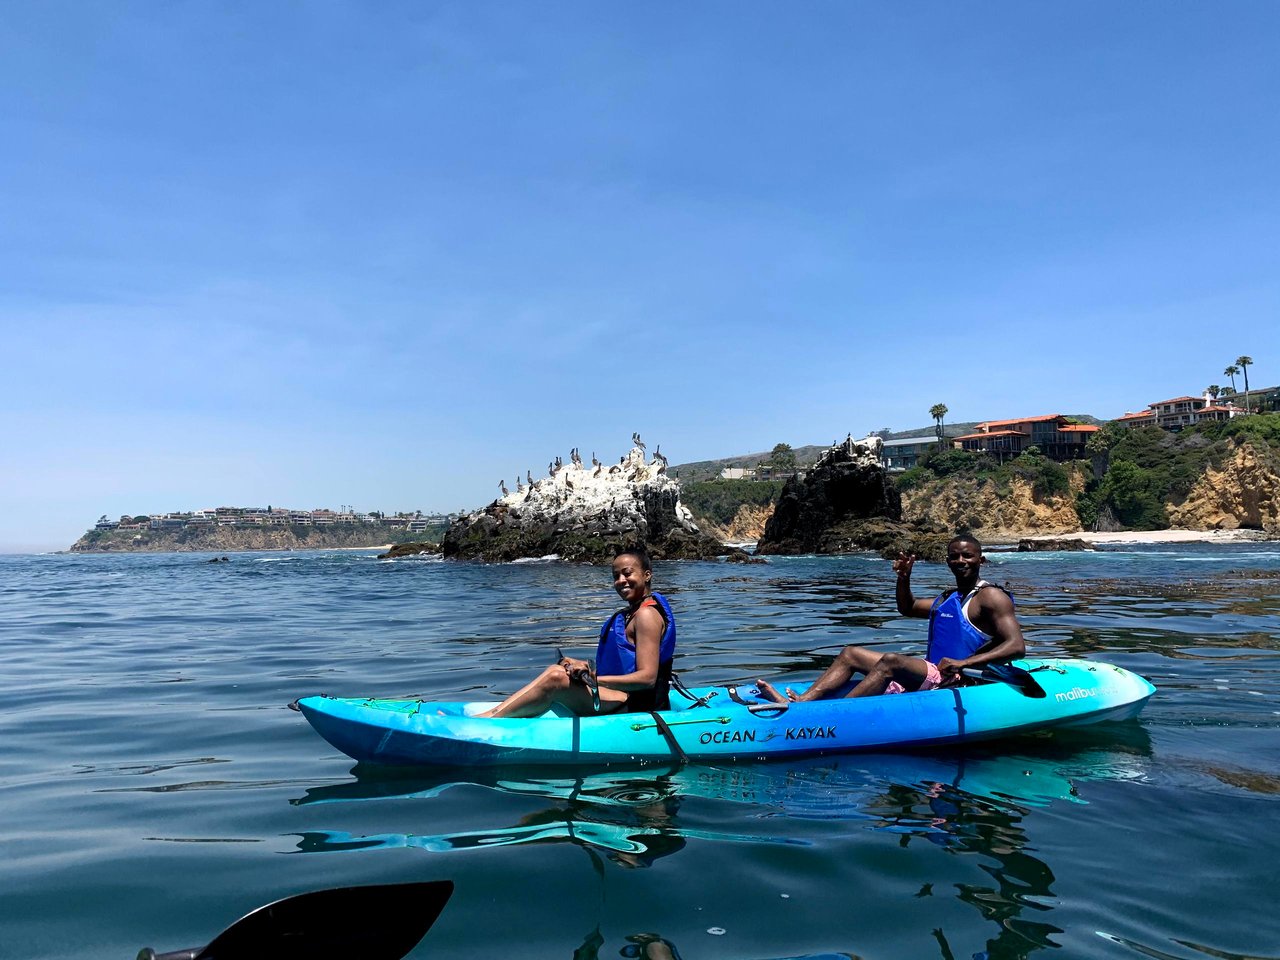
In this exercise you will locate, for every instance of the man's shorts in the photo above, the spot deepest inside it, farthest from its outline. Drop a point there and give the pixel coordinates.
(932, 679)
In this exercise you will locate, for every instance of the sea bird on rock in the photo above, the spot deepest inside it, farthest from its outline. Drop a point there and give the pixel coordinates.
(502, 485)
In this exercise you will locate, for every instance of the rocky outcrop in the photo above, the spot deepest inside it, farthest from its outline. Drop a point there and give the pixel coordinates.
(1052, 545)
(414, 549)
(227, 538)
(989, 510)
(585, 514)
(843, 504)
(1243, 492)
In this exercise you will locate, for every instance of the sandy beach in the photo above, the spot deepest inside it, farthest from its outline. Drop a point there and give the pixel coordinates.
(1159, 536)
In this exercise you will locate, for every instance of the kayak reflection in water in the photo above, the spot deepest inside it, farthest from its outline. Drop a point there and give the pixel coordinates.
(970, 626)
(633, 660)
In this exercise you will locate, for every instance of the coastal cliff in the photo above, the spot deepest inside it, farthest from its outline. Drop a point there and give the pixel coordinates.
(585, 514)
(991, 509)
(745, 526)
(226, 539)
(1242, 492)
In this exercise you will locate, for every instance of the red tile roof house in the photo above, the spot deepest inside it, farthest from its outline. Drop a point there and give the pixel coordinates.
(1179, 412)
(1055, 436)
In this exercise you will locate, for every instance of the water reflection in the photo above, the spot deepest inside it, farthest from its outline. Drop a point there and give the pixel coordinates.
(973, 803)
(654, 946)
(632, 821)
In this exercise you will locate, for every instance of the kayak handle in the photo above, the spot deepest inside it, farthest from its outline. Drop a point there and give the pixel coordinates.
(676, 723)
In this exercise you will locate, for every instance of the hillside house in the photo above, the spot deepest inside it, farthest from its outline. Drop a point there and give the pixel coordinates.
(1053, 434)
(1179, 412)
(903, 454)
(1257, 400)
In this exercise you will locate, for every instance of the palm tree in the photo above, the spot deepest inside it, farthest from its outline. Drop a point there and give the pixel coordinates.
(938, 411)
(1231, 372)
(1213, 390)
(1243, 363)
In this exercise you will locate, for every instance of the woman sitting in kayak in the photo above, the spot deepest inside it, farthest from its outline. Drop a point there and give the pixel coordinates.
(633, 660)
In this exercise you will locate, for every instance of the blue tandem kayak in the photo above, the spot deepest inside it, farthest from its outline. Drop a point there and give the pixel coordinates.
(713, 726)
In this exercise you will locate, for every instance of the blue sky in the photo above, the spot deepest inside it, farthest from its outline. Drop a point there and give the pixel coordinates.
(385, 254)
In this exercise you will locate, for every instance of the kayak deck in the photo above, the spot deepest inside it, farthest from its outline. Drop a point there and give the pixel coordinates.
(423, 732)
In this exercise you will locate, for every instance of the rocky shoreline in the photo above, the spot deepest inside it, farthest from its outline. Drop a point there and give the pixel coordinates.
(234, 539)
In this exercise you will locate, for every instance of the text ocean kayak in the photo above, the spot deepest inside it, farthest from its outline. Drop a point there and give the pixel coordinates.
(421, 732)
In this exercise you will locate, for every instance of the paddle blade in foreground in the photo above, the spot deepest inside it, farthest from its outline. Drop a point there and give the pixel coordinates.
(1015, 677)
(379, 922)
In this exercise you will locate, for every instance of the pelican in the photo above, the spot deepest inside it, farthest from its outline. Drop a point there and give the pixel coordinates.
(502, 485)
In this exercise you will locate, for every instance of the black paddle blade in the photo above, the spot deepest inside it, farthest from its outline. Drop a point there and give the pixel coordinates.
(1015, 677)
(379, 922)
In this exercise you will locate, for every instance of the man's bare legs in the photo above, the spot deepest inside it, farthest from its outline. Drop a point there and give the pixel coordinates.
(878, 670)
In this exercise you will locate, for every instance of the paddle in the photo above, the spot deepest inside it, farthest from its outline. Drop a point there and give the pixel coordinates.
(587, 680)
(378, 922)
(1016, 677)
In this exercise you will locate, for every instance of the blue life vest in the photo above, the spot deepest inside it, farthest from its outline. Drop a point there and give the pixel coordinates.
(616, 656)
(950, 632)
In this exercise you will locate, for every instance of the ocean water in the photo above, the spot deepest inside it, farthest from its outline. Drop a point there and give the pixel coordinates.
(154, 786)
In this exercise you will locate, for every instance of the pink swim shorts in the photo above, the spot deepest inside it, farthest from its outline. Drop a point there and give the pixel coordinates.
(931, 680)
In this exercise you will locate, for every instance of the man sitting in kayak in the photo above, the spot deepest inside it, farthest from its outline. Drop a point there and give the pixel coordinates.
(633, 659)
(970, 626)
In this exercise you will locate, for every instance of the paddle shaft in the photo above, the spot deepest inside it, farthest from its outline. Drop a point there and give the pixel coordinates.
(586, 679)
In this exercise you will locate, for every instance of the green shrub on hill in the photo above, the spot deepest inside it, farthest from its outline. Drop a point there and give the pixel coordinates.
(719, 500)
(1046, 477)
(1148, 467)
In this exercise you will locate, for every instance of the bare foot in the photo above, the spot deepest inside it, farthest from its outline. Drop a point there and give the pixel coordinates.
(770, 692)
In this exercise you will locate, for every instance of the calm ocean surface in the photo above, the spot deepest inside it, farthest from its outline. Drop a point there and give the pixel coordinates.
(154, 787)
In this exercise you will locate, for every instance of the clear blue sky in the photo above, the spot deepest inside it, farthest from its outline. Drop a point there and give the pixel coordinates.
(384, 254)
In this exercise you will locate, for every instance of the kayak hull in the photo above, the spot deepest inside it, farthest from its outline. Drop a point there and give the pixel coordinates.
(426, 733)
